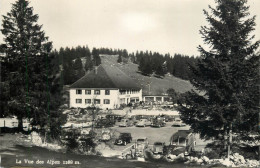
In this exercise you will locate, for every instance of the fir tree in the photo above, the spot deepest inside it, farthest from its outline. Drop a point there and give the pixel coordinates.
(96, 58)
(78, 67)
(227, 75)
(28, 65)
(88, 64)
(119, 60)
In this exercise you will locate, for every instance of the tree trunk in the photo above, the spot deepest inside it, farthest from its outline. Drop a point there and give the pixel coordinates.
(20, 124)
(229, 139)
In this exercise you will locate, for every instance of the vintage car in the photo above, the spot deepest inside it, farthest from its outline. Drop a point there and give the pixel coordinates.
(167, 118)
(143, 123)
(114, 117)
(126, 123)
(123, 139)
(158, 122)
(158, 147)
(141, 145)
(178, 123)
(69, 134)
(103, 123)
(183, 141)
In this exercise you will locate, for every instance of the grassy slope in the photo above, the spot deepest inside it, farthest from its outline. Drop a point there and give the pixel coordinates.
(157, 86)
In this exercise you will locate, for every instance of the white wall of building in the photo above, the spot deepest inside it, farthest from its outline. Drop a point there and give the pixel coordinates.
(126, 98)
(112, 97)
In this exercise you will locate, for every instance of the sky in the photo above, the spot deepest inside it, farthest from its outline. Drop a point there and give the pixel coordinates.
(165, 26)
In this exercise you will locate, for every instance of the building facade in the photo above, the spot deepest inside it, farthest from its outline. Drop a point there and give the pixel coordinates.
(105, 87)
(104, 98)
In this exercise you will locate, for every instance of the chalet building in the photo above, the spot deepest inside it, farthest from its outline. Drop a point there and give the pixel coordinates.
(106, 87)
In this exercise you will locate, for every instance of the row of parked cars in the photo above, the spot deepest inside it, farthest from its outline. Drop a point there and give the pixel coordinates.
(157, 122)
(138, 121)
(183, 141)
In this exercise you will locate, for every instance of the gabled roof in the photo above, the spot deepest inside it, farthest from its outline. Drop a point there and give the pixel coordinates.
(180, 134)
(105, 76)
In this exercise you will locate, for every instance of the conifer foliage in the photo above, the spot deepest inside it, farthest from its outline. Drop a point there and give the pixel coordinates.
(227, 75)
(28, 73)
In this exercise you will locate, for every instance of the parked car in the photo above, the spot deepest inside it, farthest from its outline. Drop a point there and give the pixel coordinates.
(70, 134)
(143, 123)
(141, 145)
(114, 117)
(167, 118)
(103, 123)
(158, 147)
(123, 139)
(146, 107)
(126, 123)
(158, 122)
(183, 141)
(178, 123)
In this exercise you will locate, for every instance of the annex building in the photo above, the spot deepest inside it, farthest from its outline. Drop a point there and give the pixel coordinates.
(106, 87)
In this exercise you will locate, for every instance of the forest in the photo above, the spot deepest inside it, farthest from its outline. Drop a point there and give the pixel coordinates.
(75, 62)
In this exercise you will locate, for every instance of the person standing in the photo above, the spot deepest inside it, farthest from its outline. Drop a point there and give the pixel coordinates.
(133, 151)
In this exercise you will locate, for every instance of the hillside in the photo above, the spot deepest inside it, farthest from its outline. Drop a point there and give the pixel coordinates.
(158, 86)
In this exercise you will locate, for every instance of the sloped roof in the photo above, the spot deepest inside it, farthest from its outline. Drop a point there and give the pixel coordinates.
(105, 76)
(180, 134)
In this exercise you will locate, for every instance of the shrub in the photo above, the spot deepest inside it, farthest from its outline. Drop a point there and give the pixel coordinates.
(72, 144)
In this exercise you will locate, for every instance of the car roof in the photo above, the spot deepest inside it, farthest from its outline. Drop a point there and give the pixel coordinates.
(155, 143)
(142, 138)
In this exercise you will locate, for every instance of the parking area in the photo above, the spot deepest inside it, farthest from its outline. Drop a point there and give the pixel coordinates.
(162, 134)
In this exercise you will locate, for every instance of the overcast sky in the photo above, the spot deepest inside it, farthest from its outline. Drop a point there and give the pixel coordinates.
(157, 25)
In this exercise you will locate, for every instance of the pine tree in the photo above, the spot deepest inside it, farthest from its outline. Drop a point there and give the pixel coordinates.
(141, 64)
(227, 75)
(159, 70)
(78, 67)
(88, 64)
(96, 58)
(28, 65)
(119, 60)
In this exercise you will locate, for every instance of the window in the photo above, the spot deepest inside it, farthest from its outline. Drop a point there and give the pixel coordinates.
(87, 101)
(107, 92)
(97, 101)
(106, 101)
(88, 92)
(78, 101)
(97, 92)
(78, 91)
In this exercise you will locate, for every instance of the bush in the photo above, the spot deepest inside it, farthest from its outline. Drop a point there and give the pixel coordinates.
(248, 152)
(213, 154)
(88, 145)
(215, 150)
(72, 144)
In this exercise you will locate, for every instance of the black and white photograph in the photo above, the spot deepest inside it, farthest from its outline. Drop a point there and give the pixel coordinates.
(129, 83)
